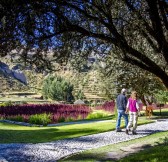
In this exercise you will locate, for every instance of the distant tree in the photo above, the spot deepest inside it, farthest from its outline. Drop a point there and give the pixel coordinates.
(80, 95)
(134, 30)
(57, 88)
(162, 97)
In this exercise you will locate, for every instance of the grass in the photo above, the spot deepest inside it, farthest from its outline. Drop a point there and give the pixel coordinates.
(10, 133)
(164, 113)
(154, 153)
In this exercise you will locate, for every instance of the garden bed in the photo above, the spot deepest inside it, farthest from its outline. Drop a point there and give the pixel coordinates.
(44, 113)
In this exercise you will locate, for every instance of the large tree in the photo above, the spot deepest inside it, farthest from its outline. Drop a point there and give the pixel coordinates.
(123, 75)
(135, 30)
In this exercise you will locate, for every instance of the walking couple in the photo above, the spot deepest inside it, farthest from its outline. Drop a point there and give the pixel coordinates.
(124, 107)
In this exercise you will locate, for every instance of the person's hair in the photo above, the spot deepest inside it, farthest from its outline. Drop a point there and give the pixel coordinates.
(134, 94)
(123, 91)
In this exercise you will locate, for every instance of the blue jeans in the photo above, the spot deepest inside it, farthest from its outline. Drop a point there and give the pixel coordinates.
(120, 114)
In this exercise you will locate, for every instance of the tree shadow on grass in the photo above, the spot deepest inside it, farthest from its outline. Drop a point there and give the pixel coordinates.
(148, 131)
(82, 157)
(41, 135)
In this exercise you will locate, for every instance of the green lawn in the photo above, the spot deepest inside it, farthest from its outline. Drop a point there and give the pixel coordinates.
(21, 134)
(156, 151)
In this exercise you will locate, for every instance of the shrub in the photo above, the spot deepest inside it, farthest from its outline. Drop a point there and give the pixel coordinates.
(1, 117)
(79, 95)
(6, 103)
(56, 111)
(61, 119)
(23, 102)
(18, 118)
(41, 119)
(97, 115)
(69, 119)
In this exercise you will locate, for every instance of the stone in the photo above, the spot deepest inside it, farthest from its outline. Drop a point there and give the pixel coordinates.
(79, 102)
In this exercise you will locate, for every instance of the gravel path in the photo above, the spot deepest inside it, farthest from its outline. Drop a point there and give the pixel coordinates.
(52, 151)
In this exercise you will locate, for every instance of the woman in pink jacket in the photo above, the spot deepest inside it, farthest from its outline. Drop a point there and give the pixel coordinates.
(133, 108)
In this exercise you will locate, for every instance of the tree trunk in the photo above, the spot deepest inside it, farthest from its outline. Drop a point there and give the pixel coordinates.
(143, 100)
(163, 77)
(165, 82)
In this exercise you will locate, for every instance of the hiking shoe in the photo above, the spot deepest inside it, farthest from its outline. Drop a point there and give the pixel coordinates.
(118, 130)
(134, 133)
(126, 131)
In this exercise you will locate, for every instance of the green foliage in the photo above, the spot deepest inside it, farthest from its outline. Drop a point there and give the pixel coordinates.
(10, 103)
(116, 112)
(143, 49)
(61, 119)
(6, 103)
(97, 115)
(162, 96)
(69, 119)
(23, 102)
(20, 103)
(79, 95)
(41, 119)
(57, 88)
(165, 141)
(16, 118)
